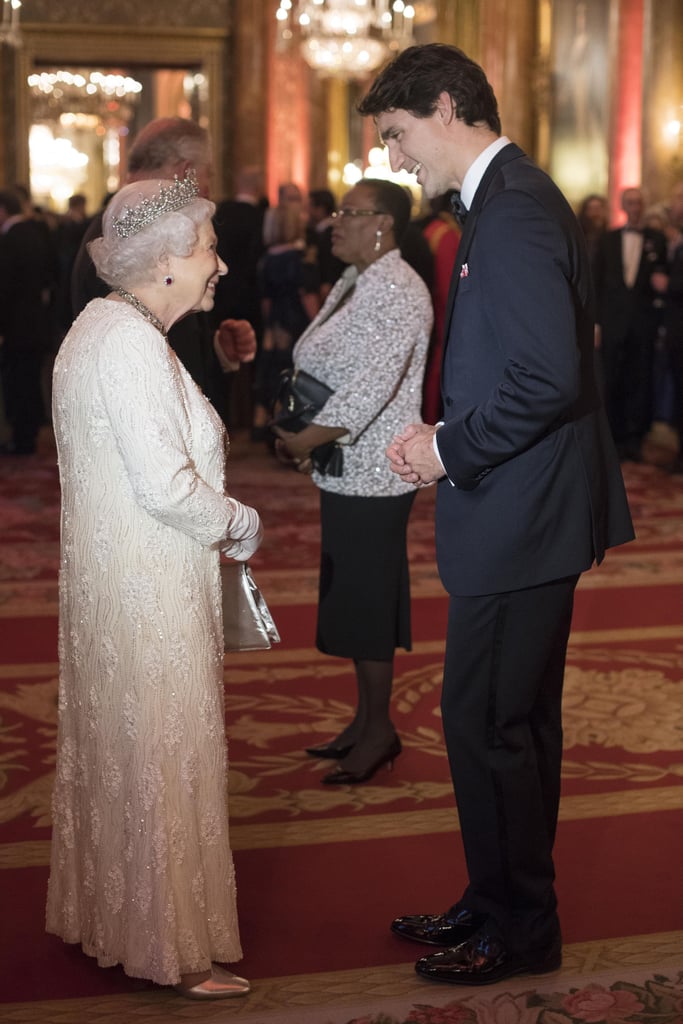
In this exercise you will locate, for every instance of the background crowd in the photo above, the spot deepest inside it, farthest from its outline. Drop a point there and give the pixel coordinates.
(281, 269)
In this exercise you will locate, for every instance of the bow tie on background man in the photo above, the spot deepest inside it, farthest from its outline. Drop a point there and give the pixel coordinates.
(635, 231)
(458, 207)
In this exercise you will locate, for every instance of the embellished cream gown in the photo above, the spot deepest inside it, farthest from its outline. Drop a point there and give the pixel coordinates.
(142, 871)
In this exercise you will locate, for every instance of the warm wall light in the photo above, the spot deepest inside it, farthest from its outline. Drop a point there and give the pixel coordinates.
(672, 129)
(58, 169)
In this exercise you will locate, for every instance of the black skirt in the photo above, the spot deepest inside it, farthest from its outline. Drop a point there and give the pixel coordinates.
(364, 596)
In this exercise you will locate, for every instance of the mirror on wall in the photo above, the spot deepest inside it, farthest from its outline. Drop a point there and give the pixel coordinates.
(579, 159)
(83, 119)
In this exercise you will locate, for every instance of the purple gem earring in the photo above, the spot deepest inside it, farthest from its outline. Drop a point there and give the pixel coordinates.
(168, 280)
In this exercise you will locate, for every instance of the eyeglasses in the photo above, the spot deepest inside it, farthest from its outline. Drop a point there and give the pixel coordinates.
(347, 212)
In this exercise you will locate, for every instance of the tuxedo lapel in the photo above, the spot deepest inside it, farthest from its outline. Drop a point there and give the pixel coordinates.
(510, 152)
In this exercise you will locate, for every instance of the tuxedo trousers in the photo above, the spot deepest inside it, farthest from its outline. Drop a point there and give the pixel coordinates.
(502, 720)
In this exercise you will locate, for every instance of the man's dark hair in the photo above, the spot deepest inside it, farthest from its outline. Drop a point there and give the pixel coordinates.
(415, 79)
(10, 202)
(323, 198)
(392, 199)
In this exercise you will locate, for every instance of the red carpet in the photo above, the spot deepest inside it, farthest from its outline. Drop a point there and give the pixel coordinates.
(321, 873)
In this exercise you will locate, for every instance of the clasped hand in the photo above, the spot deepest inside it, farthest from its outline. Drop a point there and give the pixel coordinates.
(411, 455)
(234, 343)
(291, 450)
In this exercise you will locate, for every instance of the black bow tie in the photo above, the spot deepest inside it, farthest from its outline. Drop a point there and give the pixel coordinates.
(634, 231)
(459, 209)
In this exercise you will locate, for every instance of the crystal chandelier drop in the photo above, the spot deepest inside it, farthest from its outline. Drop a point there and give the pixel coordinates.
(346, 38)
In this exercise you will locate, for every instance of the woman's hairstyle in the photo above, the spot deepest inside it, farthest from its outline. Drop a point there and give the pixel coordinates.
(134, 258)
(415, 79)
(392, 199)
(282, 224)
(588, 201)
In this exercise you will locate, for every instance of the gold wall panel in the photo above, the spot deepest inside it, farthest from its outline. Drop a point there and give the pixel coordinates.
(127, 14)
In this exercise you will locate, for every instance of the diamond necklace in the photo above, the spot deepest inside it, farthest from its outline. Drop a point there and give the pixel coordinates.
(134, 301)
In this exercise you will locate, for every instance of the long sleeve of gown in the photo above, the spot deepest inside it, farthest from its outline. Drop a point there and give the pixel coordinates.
(143, 401)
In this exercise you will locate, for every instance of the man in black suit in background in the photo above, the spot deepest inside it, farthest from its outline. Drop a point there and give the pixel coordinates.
(322, 207)
(670, 286)
(529, 495)
(628, 317)
(27, 278)
(238, 223)
(165, 148)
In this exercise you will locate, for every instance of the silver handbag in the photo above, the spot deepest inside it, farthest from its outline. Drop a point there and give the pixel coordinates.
(247, 622)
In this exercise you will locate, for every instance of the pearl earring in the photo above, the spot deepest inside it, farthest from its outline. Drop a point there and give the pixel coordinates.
(378, 240)
(168, 280)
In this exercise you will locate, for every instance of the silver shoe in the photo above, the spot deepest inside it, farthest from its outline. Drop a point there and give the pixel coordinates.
(221, 985)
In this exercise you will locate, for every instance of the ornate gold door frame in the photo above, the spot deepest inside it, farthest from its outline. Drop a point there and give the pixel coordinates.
(113, 46)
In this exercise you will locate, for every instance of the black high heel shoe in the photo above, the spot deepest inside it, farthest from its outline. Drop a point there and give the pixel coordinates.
(342, 777)
(329, 750)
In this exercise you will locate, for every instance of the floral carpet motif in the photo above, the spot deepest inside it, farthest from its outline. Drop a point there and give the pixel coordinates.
(322, 870)
(659, 1000)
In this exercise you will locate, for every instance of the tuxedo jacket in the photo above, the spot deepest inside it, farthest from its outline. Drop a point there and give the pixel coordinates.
(622, 310)
(673, 304)
(239, 240)
(533, 491)
(27, 280)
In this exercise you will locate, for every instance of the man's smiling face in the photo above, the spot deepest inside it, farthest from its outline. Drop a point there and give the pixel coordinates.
(423, 146)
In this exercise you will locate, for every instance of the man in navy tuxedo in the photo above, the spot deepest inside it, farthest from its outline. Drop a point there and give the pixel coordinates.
(530, 494)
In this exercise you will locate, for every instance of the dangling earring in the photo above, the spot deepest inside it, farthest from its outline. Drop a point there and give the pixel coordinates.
(168, 280)
(378, 240)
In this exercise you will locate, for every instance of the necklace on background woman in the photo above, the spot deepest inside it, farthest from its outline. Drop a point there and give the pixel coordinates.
(134, 301)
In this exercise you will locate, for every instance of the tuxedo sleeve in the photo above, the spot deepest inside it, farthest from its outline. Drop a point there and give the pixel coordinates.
(523, 322)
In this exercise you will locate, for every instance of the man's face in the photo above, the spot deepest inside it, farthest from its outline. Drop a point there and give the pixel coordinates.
(422, 146)
(633, 206)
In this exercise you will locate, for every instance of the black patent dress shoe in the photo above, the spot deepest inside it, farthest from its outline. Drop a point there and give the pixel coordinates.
(483, 959)
(345, 777)
(329, 750)
(449, 929)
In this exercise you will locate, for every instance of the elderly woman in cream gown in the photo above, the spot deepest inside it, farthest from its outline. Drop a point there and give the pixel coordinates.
(142, 872)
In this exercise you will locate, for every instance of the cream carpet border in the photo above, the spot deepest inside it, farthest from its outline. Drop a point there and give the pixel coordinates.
(296, 997)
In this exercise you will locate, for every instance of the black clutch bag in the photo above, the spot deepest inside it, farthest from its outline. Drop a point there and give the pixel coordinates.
(300, 398)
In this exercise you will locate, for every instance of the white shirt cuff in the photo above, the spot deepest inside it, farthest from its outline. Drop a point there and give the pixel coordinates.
(437, 453)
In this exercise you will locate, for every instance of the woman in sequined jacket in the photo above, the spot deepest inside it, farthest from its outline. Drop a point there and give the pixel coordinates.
(368, 344)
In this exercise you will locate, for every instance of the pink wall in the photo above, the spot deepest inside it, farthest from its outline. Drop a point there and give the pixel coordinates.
(626, 170)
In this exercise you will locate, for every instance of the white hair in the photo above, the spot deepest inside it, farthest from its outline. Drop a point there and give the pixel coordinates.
(131, 261)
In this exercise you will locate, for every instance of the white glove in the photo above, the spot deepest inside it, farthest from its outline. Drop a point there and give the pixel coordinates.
(244, 534)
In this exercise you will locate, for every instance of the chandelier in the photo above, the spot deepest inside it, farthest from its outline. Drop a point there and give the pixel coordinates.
(86, 92)
(346, 38)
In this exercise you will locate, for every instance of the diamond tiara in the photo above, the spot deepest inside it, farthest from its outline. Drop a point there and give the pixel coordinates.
(169, 199)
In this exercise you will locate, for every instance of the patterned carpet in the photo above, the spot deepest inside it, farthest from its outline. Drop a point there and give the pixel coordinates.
(321, 871)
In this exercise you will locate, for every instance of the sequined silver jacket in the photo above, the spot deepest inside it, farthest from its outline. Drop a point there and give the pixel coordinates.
(371, 351)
